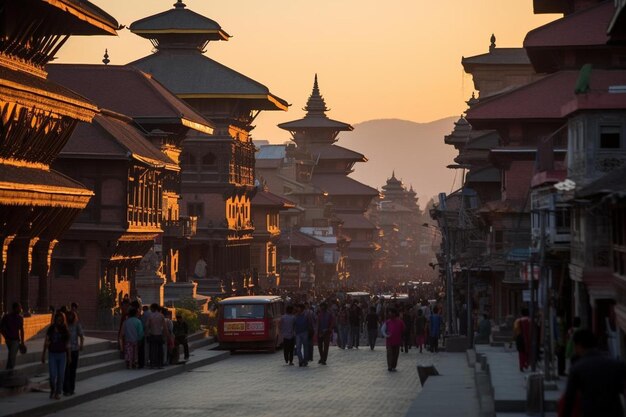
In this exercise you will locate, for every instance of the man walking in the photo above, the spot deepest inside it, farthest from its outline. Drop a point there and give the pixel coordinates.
(434, 330)
(372, 327)
(287, 322)
(354, 318)
(12, 329)
(597, 378)
(325, 325)
(302, 327)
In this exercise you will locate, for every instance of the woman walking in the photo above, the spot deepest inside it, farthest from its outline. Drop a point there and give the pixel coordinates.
(393, 329)
(57, 343)
(287, 322)
(77, 340)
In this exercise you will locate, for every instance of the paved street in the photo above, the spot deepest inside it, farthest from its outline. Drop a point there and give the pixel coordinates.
(355, 382)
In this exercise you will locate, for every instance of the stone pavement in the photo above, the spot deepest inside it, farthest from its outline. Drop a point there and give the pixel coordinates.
(354, 383)
(37, 403)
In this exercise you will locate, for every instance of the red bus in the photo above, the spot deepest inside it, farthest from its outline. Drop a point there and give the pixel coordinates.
(250, 322)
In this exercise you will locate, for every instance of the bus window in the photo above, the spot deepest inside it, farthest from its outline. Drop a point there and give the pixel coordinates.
(244, 311)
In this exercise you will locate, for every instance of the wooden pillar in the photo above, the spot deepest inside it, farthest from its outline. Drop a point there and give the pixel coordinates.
(5, 241)
(19, 261)
(44, 249)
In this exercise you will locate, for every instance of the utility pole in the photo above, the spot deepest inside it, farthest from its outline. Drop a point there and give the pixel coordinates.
(448, 257)
(545, 293)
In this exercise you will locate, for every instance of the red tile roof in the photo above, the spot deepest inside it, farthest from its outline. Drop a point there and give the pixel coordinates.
(497, 56)
(587, 27)
(126, 90)
(355, 221)
(268, 199)
(341, 185)
(540, 100)
(112, 136)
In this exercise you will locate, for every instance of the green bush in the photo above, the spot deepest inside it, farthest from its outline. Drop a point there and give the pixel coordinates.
(193, 322)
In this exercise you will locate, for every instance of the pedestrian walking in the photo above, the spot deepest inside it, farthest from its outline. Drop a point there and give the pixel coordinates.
(372, 327)
(407, 318)
(181, 333)
(434, 330)
(303, 327)
(57, 344)
(355, 317)
(325, 325)
(570, 353)
(597, 379)
(287, 330)
(308, 309)
(420, 330)
(132, 333)
(157, 333)
(521, 332)
(343, 326)
(393, 329)
(12, 330)
(77, 341)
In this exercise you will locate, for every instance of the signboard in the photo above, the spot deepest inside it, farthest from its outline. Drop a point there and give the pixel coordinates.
(290, 273)
(525, 271)
(526, 296)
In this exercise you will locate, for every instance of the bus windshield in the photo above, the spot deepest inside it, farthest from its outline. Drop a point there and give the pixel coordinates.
(244, 311)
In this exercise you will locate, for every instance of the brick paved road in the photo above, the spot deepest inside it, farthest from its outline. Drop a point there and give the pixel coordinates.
(355, 382)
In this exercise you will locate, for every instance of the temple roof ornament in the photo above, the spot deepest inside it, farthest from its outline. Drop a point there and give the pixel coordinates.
(473, 100)
(180, 5)
(315, 117)
(106, 60)
(316, 106)
(493, 43)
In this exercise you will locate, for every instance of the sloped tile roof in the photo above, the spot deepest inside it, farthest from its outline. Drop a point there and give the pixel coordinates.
(341, 185)
(191, 75)
(355, 221)
(587, 27)
(113, 136)
(126, 90)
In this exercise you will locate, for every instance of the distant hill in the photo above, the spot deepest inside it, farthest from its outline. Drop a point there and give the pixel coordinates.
(415, 151)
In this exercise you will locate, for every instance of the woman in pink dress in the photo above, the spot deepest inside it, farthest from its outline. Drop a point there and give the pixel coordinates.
(393, 329)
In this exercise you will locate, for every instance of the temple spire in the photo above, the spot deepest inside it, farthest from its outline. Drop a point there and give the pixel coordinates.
(493, 42)
(180, 5)
(106, 57)
(316, 106)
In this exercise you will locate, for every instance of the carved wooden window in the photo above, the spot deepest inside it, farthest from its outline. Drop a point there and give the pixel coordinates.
(188, 162)
(195, 209)
(209, 162)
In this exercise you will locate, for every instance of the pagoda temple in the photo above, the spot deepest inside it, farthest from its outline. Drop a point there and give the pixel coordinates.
(217, 181)
(315, 136)
(37, 204)
(117, 248)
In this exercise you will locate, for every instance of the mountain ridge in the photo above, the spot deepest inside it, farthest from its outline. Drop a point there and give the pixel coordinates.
(419, 156)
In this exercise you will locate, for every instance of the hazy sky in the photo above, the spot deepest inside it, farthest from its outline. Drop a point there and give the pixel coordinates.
(394, 59)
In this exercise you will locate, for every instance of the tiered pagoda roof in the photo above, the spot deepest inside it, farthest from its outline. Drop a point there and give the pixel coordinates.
(460, 134)
(180, 35)
(265, 198)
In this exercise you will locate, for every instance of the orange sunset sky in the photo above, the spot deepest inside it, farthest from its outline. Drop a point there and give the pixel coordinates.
(393, 59)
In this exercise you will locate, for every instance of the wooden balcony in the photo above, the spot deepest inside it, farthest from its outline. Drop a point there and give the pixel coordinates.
(184, 227)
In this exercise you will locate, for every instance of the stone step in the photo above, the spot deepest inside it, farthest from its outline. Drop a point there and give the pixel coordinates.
(34, 404)
(35, 347)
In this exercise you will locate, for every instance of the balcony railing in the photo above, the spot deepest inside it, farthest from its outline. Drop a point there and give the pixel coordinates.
(184, 227)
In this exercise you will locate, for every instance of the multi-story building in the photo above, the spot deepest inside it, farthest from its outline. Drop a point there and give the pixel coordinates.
(217, 171)
(37, 203)
(165, 120)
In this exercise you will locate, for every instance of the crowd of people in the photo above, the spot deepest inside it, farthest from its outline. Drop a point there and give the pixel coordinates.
(147, 337)
(403, 325)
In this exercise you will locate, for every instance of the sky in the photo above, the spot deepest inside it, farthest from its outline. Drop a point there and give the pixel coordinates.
(375, 60)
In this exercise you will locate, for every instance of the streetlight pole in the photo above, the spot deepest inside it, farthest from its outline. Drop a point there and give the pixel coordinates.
(448, 257)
